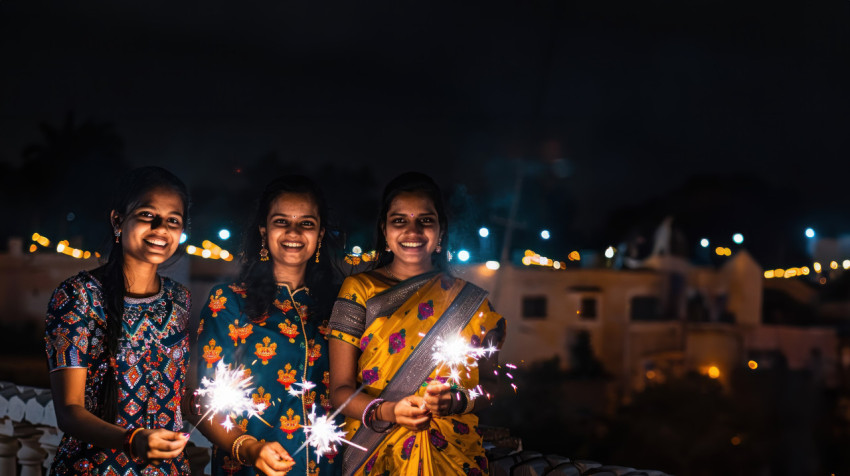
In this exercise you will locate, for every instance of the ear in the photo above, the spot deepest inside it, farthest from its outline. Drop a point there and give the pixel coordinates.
(115, 219)
(262, 232)
(321, 234)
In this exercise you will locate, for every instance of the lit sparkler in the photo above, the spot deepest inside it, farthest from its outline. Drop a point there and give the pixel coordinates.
(322, 433)
(229, 393)
(455, 353)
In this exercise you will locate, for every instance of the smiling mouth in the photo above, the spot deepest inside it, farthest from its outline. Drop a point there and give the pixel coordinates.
(411, 244)
(156, 242)
(292, 245)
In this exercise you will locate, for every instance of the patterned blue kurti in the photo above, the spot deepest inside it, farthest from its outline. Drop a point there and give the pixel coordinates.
(151, 364)
(287, 348)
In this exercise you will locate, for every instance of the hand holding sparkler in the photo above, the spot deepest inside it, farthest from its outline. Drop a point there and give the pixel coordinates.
(269, 457)
(438, 398)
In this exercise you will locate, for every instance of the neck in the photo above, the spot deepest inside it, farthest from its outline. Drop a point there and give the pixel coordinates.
(404, 271)
(140, 279)
(292, 277)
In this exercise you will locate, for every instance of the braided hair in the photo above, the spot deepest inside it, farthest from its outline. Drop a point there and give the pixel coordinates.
(129, 193)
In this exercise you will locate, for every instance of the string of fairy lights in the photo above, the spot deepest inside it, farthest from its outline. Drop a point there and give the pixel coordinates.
(207, 250)
(210, 250)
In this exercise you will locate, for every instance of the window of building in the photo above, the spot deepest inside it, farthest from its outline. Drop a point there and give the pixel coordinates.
(646, 308)
(534, 307)
(587, 309)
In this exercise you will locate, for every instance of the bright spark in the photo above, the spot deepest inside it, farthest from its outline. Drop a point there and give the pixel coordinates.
(455, 353)
(324, 435)
(229, 393)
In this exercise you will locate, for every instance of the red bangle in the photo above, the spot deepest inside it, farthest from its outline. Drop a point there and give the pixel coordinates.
(128, 443)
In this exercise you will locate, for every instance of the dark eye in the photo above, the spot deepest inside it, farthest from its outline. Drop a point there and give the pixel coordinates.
(398, 220)
(145, 214)
(175, 221)
(280, 221)
(307, 224)
(426, 220)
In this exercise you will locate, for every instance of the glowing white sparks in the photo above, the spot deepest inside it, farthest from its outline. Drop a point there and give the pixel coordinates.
(455, 353)
(229, 393)
(305, 386)
(324, 435)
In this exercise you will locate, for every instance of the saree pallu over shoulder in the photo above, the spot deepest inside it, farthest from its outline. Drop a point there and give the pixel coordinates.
(400, 325)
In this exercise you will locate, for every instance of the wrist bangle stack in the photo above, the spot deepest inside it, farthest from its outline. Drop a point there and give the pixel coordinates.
(470, 402)
(237, 445)
(128, 444)
(371, 422)
(462, 402)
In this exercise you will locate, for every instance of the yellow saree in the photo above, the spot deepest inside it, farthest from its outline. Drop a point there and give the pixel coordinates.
(453, 444)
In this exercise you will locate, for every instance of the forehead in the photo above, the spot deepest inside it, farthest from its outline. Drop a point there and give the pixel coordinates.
(412, 203)
(290, 203)
(163, 199)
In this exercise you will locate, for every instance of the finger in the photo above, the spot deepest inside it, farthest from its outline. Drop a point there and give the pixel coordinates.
(281, 453)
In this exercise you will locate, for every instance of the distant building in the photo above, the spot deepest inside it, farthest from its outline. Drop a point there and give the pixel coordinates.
(649, 324)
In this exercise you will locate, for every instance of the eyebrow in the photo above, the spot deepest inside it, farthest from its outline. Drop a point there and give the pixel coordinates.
(148, 205)
(302, 216)
(406, 214)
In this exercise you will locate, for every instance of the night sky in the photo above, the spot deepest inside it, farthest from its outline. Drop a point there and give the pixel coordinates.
(617, 108)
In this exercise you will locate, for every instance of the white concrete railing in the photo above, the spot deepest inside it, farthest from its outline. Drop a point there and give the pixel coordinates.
(29, 435)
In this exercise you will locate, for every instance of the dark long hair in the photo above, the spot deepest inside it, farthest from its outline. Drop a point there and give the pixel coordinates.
(418, 183)
(129, 193)
(322, 278)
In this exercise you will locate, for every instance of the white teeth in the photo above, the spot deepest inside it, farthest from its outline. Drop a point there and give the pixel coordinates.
(411, 244)
(157, 242)
(293, 245)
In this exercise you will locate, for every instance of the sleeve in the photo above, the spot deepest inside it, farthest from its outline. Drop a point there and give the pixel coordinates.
(67, 333)
(348, 318)
(216, 341)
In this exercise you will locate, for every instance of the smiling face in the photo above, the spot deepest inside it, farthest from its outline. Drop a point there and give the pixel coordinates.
(293, 231)
(412, 230)
(150, 232)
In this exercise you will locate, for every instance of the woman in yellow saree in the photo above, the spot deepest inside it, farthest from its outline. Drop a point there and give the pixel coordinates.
(413, 416)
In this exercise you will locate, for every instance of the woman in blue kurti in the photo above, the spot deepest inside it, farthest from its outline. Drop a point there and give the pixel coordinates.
(116, 342)
(273, 322)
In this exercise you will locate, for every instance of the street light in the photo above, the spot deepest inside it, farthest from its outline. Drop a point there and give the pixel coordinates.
(483, 232)
(224, 233)
(738, 238)
(704, 242)
(463, 255)
(810, 233)
(544, 234)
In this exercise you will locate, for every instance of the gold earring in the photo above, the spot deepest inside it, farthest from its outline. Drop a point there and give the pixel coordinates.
(264, 253)
(317, 251)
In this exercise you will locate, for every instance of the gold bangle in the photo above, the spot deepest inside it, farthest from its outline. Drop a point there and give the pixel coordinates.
(237, 445)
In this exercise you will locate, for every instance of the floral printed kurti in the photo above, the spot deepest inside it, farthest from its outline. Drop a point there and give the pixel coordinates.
(282, 352)
(151, 364)
(453, 444)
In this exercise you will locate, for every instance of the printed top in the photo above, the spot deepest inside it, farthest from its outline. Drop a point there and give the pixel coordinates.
(282, 352)
(151, 367)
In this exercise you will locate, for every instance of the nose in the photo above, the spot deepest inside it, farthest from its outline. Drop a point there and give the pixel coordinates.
(157, 222)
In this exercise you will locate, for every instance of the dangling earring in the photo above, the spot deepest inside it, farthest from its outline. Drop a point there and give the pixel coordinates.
(317, 251)
(117, 235)
(264, 253)
(439, 248)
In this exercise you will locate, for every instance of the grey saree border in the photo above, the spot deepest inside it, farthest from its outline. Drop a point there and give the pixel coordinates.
(417, 367)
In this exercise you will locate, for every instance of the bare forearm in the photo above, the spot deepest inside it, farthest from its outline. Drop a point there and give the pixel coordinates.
(80, 423)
